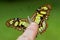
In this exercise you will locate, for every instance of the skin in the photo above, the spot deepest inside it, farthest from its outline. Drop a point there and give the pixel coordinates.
(30, 32)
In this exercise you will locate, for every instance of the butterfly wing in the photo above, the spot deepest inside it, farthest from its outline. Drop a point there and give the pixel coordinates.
(40, 17)
(17, 23)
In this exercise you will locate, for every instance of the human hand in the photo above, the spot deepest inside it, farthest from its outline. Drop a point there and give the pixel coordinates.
(30, 32)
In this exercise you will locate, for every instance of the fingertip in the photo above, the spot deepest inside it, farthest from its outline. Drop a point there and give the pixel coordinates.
(33, 24)
(30, 32)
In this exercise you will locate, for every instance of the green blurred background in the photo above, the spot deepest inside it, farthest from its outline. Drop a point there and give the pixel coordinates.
(23, 8)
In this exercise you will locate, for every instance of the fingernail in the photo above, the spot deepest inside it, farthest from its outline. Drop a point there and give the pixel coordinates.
(29, 19)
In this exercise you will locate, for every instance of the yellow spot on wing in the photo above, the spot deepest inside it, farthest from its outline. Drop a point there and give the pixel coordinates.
(42, 12)
(11, 22)
(44, 24)
(20, 23)
(16, 23)
(39, 15)
(23, 23)
(45, 8)
(40, 30)
(37, 19)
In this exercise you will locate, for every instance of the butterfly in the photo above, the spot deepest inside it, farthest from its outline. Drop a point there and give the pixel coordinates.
(40, 16)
